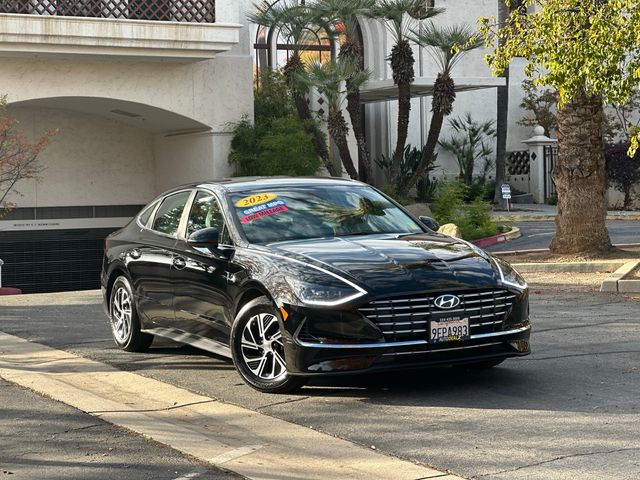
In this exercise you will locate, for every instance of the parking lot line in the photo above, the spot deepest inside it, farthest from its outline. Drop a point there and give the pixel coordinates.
(244, 441)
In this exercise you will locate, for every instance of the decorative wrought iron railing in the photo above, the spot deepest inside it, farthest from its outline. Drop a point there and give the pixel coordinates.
(194, 11)
(518, 162)
(550, 159)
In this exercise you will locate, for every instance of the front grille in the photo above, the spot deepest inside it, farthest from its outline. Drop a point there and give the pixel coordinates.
(405, 319)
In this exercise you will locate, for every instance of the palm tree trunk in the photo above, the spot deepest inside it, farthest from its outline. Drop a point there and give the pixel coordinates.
(402, 63)
(429, 149)
(580, 179)
(364, 157)
(501, 138)
(293, 67)
(404, 110)
(502, 115)
(444, 94)
(352, 51)
(338, 130)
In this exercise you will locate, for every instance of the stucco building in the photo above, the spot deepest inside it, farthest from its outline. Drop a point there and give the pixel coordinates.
(142, 95)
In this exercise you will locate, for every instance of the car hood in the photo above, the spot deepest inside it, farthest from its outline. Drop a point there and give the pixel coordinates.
(388, 264)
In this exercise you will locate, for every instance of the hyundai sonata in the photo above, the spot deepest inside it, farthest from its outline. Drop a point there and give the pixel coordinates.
(294, 278)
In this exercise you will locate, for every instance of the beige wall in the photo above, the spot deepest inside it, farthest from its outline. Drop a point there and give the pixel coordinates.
(190, 158)
(104, 158)
(92, 161)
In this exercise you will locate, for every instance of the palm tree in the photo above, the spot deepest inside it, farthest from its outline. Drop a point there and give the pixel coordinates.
(346, 13)
(294, 21)
(400, 17)
(502, 110)
(328, 79)
(447, 45)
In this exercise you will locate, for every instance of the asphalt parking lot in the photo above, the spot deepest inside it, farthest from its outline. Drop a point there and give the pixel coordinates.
(569, 411)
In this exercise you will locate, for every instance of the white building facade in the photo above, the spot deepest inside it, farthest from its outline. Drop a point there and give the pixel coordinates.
(142, 95)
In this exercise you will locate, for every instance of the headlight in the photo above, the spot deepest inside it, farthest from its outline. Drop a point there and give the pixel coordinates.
(509, 275)
(335, 291)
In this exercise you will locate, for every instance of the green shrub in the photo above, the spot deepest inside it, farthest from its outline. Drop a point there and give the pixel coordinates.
(473, 219)
(277, 142)
(480, 189)
(448, 202)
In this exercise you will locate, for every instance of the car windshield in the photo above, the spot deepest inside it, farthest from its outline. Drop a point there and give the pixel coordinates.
(294, 213)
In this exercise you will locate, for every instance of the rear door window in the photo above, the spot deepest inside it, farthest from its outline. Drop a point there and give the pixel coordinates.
(144, 217)
(167, 219)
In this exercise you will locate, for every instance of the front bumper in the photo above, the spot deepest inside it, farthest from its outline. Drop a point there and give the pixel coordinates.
(308, 358)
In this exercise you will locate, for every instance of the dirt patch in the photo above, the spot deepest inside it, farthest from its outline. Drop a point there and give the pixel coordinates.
(566, 281)
(626, 254)
(634, 275)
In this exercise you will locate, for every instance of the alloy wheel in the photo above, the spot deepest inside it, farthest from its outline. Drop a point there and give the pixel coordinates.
(262, 348)
(121, 313)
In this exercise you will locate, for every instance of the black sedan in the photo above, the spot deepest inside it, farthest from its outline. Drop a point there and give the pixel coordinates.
(294, 277)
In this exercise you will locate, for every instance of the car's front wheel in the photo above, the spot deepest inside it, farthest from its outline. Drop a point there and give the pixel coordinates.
(125, 324)
(258, 349)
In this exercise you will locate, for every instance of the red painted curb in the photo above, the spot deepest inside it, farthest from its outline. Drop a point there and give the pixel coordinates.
(488, 241)
(10, 291)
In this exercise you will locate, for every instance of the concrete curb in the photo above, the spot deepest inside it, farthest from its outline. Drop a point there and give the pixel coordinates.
(560, 267)
(542, 250)
(616, 282)
(523, 218)
(500, 238)
(552, 218)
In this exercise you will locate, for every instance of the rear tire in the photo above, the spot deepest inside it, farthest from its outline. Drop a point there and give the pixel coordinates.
(125, 323)
(258, 350)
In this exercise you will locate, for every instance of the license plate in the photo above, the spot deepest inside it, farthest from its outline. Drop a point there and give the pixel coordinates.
(451, 329)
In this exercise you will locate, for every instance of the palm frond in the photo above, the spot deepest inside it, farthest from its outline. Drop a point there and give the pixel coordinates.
(401, 16)
(330, 79)
(291, 20)
(448, 42)
(344, 12)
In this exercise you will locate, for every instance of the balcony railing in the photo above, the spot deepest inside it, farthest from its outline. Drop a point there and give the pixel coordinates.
(194, 11)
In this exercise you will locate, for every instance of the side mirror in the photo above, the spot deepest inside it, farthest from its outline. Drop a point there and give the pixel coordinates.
(205, 238)
(429, 223)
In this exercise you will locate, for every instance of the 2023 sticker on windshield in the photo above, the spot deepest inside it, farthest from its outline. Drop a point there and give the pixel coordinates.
(264, 210)
(255, 199)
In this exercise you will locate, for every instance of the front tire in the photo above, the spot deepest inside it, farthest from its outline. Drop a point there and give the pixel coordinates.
(125, 323)
(258, 350)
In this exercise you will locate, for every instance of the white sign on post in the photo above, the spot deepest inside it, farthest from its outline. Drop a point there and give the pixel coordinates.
(506, 194)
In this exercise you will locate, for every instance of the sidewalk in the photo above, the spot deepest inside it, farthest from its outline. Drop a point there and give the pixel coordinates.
(533, 212)
(41, 438)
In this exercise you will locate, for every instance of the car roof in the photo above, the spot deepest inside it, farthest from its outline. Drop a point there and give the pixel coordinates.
(239, 184)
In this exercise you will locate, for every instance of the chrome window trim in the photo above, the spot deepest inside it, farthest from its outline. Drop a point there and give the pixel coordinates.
(225, 214)
(182, 218)
(155, 204)
(408, 343)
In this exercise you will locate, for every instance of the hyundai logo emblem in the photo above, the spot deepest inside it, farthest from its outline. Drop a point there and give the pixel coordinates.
(446, 302)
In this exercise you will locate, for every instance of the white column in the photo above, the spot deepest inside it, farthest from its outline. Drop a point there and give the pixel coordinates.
(537, 174)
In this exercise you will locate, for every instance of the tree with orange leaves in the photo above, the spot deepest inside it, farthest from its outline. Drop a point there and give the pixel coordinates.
(18, 157)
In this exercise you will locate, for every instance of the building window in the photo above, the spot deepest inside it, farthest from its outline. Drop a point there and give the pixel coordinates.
(274, 48)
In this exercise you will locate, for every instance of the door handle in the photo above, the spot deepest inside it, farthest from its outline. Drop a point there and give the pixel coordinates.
(179, 262)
